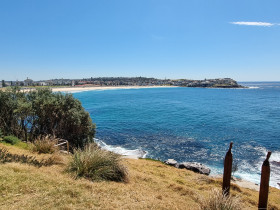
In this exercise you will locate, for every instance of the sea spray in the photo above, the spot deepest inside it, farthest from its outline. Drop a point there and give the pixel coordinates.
(138, 153)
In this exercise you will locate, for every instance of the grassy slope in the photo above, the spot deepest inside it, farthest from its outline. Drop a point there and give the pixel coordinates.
(152, 185)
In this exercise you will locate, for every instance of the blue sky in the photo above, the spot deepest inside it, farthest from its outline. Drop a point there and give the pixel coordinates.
(194, 39)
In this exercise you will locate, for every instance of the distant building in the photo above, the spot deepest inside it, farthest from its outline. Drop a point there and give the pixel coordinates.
(43, 84)
(8, 83)
(28, 82)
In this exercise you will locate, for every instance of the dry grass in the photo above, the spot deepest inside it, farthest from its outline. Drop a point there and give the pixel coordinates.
(96, 164)
(45, 145)
(152, 185)
(219, 201)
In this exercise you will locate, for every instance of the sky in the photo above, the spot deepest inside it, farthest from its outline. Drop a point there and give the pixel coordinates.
(191, 39)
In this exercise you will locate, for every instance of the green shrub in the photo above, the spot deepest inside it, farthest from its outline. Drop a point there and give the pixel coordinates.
(29, 115)
(45, 145)
(1, 134)
(11, 140)
(96, 164)
(219, 201)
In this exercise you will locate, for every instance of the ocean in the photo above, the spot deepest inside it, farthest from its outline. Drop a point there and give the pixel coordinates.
(192, 124)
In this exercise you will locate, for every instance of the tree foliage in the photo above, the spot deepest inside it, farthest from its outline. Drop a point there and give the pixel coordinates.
(42, 112)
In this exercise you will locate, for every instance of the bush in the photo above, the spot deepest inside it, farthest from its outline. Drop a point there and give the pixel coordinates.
(1, 134)
(96, 164)
(11, 140)
(32, 114)
(45, 145)
(219, 201)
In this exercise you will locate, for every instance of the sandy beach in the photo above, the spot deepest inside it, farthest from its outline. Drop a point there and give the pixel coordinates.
(87, 88)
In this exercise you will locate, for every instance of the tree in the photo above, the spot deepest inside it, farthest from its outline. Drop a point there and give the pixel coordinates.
(3, 83)
(41, 112)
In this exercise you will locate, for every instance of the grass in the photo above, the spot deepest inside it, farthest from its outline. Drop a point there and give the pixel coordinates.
(151, 185)
(96, 164)
(11, 140)
(219, 201)
(19, 144)
(45, 145)
(7, 157)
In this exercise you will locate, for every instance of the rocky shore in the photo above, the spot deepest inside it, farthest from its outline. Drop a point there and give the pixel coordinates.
(192, 166)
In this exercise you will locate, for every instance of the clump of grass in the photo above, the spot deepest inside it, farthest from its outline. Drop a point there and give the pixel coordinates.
(96, 164)
(219, 201)
(45, 145)
(11, 140)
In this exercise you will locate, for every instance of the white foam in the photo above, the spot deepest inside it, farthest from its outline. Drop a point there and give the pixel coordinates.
(274, 168)
(253, 87)
(139, 153)
(252, 173)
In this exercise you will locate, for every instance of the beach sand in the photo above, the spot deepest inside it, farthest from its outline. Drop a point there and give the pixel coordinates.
(87, 88)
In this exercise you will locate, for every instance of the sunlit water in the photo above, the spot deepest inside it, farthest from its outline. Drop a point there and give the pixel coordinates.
(192, 124)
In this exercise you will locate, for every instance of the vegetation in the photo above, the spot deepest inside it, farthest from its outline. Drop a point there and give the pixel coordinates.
(219, 201)
(6, 157)
(41, 112)
(1, 134)
(45, 145)
(11, 140)
(152, 185)
(97, 164)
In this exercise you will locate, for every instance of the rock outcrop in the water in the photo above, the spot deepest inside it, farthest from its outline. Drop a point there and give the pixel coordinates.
(193, 166)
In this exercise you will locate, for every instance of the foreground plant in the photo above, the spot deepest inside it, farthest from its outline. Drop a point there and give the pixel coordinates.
(11, 140)
(96, 164)
(219, 201)
(45, 145)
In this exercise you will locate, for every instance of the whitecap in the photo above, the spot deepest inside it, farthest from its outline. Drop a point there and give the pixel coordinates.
(137, 153)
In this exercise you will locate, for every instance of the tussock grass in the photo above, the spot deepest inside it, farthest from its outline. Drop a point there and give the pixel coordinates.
(97, 164)
(219, 201)
(45, 145)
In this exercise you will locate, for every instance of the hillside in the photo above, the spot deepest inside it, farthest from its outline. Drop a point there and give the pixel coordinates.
(151, 185)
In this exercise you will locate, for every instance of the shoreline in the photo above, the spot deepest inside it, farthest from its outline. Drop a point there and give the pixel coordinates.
(70, 89)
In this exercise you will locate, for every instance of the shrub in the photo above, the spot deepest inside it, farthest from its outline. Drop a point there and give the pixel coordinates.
(11, 139)
(1, 134)
(45, 145)
(219, 201)
(96, 164)
(31, 114)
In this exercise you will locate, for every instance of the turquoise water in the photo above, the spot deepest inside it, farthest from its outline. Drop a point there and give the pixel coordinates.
(192, 124)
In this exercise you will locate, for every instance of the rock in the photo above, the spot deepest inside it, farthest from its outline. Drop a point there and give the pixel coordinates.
(172, 162)
(275, 163)
(195, 167)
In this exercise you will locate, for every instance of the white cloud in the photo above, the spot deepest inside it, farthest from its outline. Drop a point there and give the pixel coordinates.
(254, 23)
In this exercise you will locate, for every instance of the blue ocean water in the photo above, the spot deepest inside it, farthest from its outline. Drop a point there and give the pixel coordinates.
(193, 124)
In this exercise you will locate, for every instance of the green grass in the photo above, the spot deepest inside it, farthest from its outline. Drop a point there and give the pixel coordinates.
(151, 159)
(19, 144)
